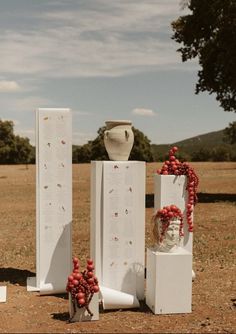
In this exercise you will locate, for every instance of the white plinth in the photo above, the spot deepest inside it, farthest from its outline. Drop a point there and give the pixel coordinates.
(53, 201)
(3, 294)
(171, 189)
(82, 314)
(169, 282)
(118, 226)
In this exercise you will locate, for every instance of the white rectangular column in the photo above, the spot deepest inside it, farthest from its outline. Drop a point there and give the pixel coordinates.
(53, 200)
(118, 228)
(171, 189)
(3, 294)
(169, 282)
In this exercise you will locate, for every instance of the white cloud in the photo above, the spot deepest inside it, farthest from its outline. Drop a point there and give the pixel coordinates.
(26, 103)
(81, 113)
(119, 16)
(22, 108)
(109, 39)
(7, 86)
(143, 112)
(30, 103)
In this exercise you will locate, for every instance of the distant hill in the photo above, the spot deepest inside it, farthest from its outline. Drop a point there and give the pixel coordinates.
(209, 141)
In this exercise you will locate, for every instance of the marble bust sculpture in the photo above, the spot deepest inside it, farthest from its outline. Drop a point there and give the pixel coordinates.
(167, 236)
(171, 238)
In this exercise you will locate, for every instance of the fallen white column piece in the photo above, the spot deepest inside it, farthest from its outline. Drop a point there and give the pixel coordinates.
(3, 294)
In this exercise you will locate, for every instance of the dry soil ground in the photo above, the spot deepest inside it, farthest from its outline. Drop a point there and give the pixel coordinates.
(214, 290)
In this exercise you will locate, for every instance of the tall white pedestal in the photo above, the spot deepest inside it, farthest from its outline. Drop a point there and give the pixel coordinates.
(118, 230)
(171, 189)
(169, 282)
(3, 294)
(53, 201)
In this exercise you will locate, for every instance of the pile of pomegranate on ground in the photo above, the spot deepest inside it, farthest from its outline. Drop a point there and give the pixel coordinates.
(82, 285)
(175, 167)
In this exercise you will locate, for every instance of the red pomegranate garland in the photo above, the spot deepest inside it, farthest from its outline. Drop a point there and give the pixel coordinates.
(166, 214)
(82, 285)
(174, 167)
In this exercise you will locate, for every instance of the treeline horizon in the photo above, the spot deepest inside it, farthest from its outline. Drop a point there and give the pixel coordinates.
(212, 146)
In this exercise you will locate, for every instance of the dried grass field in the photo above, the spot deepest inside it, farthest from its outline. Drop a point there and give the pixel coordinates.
(214, 289)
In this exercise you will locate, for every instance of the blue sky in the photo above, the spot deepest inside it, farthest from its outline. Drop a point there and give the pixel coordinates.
(104, 59)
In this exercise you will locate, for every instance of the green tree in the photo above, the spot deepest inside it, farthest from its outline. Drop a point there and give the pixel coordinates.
(98, 150)
(82, 154)
(22, 152)
(230, 133)
(221, 153)
(74, 154)
(14, 149)
(6, 141)
(141, 150)
(209, 33)
(233, 153)
(202, 154)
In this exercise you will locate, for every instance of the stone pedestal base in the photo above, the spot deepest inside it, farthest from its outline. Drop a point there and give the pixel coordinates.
(82, 314)
(169, 282)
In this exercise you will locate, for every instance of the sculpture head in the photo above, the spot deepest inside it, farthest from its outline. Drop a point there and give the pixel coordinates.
(168, 228)
(172, 232)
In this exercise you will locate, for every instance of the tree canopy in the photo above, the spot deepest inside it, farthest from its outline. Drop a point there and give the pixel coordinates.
(221, 146)
(209, 33)
(13, 148)
(230, 133)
